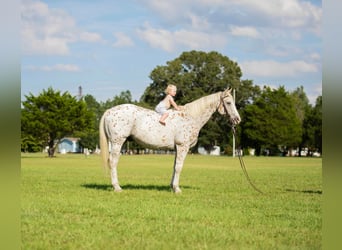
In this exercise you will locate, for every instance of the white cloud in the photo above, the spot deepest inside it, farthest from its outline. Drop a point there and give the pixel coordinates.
(90, 37)
(199, 22)
(49, 31)
(286, 13)
(157, 38)
(313, 91)
(173, 40)
(275, 14)
(271, 68)
(315, 56)
(31, 44)
(122, 40)
(56, 67)
(244, 31)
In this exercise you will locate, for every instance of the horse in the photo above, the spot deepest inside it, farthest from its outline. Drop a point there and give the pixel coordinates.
(180, 132)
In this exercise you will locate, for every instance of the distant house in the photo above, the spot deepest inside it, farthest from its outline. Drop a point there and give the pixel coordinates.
(69, 145)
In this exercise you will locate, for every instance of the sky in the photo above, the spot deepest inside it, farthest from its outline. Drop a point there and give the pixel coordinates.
(110, 46)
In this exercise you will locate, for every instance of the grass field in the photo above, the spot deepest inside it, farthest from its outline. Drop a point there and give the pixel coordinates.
(67, 203)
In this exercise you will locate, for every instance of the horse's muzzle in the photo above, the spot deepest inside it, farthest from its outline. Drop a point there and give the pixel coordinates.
(235, 120)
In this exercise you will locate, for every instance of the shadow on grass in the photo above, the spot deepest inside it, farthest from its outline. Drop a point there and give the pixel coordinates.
(108, 187)
(305, 191)
(37, 156)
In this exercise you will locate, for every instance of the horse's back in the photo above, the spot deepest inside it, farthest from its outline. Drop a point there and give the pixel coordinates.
(143, 124)
(126, 109)
(119, 120)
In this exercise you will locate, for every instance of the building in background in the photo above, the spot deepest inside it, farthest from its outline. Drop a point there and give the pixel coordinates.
(69, 145)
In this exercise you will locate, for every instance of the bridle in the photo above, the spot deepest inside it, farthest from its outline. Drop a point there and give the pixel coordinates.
(225, 106)
(242, 163)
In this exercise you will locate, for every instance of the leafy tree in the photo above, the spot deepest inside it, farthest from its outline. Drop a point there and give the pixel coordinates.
(317, 124)
(312, 126)
(271, 121)
(52, 115)
(123, 97)
(30, 144)
(301, 102)
(196, 74)
(205, 136)
(93, 106)
(91, 138)
(246, 93)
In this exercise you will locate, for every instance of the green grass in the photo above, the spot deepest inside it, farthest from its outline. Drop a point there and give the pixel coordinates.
(67, 203)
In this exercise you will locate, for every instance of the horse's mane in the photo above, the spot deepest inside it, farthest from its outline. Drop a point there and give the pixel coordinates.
(197, 107)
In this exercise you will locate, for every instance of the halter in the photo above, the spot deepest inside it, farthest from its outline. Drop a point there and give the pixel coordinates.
(224, 104)
(226, 109)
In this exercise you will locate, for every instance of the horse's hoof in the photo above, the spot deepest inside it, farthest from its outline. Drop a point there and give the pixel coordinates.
(117, 189)
(177, 190)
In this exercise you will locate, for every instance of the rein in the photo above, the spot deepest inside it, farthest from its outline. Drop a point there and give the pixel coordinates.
(243, 167)
(242, 163)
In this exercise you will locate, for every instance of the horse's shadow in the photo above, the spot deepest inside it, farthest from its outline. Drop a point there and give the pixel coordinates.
(108, 187)
(305, 191)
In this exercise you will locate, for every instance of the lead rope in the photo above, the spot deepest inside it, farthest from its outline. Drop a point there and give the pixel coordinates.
(242, 163)
(243, 167)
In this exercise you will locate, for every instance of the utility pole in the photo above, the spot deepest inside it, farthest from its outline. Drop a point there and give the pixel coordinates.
(233, 133)
(80, 95)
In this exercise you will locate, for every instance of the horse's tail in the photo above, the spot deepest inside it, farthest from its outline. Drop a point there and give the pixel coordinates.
(104, 144)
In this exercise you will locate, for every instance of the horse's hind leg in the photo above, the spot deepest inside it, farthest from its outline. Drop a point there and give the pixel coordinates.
(113, 162)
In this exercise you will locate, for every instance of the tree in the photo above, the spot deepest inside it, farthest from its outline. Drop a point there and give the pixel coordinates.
(301, 102)
(246, 93)
(271, 121)
(317, 124)
(312, 126)
(196, 74)
(52, 115)
(91, 138)
(30, 144)
(123, 97)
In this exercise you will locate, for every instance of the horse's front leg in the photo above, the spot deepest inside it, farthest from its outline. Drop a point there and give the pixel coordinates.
(113, 162)
(181, 152)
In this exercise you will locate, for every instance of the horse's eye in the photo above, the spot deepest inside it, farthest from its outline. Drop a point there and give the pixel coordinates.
(228, 103)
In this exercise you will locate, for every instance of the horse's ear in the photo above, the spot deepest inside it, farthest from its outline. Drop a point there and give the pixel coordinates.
(228, 90)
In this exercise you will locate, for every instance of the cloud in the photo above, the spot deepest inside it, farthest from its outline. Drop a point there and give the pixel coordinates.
(171, 41)
(244, 31)
(122, 40)
(50, 31)
(271, 68)
(90, 37)
(199, 22)
(281, 13)
(313, 90)
(315, 56)
(56, 67)
(218, 14)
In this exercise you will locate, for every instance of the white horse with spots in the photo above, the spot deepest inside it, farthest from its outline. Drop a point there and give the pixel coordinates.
(180, 133)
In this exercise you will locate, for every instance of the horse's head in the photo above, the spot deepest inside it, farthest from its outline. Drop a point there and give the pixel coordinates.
(227, 106)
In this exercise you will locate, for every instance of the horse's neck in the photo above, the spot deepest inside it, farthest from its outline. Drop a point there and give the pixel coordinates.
(202, 109)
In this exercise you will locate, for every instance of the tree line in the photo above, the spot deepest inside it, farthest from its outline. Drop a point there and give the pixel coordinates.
(273, 120)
